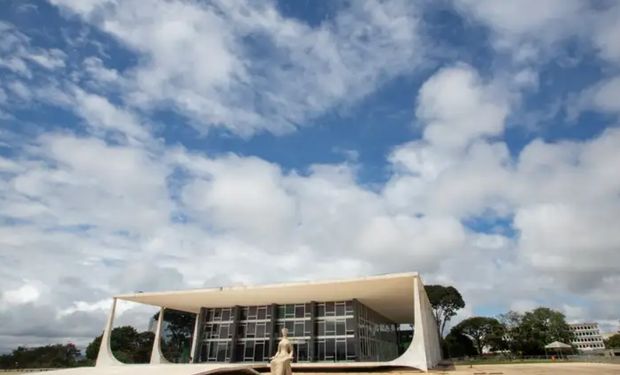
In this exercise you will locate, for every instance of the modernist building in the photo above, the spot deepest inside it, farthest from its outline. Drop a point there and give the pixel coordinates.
(587, 337)
(350, 323)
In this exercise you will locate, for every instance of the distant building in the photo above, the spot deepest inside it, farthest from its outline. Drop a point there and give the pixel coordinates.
(587, 337)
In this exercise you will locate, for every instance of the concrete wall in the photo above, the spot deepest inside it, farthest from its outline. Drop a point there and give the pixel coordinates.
(424, 353)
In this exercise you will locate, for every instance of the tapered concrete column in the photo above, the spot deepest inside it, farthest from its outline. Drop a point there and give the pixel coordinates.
(197, 337)
(424, 352)
(105, 357)
(156, 355)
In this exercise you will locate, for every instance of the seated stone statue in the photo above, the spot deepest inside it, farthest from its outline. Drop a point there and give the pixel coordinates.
(281, 362)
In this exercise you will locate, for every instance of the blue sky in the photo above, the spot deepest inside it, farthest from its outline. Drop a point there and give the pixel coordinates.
(163, 145)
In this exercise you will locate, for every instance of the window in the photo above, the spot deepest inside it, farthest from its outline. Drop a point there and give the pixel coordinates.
(299, 311)
(377, 336)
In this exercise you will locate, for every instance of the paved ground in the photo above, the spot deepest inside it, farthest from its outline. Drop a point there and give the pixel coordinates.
(516, 369)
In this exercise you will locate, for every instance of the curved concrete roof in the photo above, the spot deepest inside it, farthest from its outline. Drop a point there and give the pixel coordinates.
(390, 295)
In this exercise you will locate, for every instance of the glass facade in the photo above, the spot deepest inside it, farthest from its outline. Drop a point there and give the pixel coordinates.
(378, 336)
(319, 331)
(254, 333)
(217, 334)
(336, 331)
(297, 318)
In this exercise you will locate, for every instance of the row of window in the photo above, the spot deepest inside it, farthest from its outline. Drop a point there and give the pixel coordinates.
(344, 308)
(294, 311)
(255, 313)
(289, 311)
(296, 328)
(252, 351)
(580, 327)
(217, 330)
(586, 333)
(215, 351)
(223, 314)
(335, 349)
(325, 349)
(588, 339)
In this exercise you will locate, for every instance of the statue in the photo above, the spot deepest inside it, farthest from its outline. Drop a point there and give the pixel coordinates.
(281, 362)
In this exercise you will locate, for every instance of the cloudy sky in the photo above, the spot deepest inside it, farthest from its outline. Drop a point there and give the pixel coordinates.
(153, 145)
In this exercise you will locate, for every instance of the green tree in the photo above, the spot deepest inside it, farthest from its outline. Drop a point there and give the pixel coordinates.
(613, 341)
(128, 346)
(540, 327)
(446, 301)
(456, 344)
(93, 348)
(512, 331)
(49, 356)
(482, 331)
(144, 346)
(178, 332)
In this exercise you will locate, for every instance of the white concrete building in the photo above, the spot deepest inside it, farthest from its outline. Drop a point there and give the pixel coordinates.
(341, 323)
(587, 337)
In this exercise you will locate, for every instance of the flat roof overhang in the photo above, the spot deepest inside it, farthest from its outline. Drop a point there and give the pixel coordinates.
(390, 295)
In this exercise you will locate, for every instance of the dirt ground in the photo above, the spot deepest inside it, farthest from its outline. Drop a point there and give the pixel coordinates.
(537, 369)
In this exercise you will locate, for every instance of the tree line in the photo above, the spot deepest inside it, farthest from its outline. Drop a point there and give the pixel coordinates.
(512, 333)
(128, 346)
(48, 356)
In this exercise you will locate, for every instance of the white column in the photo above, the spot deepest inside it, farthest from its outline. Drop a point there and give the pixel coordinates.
(156, 354)
(106, 357)
(195, 336)
(424, 352)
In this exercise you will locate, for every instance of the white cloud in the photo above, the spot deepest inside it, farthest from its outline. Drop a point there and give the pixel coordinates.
(25, 294)
(460, 114)
(99, 72)
(20, 90)
(244, 195)
(562, 219)
(607, 35)
(601, 97)
(533, 38)
(560, 195)
(83, 175)
(50, 59)
(117, 210)
(525, 34)
(104, 116)
(17, 54)
(456, 108)
(298, 73)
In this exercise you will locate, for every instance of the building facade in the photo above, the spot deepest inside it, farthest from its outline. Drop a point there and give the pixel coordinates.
(587, 337)
(331, 331)
(347, 323)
